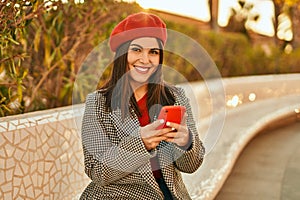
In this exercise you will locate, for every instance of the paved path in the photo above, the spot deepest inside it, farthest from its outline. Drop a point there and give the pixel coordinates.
(241, 125)
(268, 168)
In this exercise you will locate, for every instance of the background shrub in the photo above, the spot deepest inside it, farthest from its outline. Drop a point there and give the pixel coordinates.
(43, 46)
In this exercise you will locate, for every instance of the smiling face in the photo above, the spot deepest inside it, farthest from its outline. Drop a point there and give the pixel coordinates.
(143, 59)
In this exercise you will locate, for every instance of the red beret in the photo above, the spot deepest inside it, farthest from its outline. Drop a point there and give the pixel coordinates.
(135, 26)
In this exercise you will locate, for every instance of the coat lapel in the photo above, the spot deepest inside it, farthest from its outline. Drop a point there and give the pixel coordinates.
(165, 152)
(147, 174)
(124, 127)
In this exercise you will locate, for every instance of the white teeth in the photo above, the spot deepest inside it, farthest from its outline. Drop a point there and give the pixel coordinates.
(141, 69)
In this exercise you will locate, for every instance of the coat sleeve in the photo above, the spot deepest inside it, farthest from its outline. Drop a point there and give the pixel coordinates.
(106, 162)
(189, 160)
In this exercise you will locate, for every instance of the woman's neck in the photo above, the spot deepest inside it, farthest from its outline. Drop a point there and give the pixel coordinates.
(139, 91)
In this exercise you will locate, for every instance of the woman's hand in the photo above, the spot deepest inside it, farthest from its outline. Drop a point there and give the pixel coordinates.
(151, 137)
(181, 136)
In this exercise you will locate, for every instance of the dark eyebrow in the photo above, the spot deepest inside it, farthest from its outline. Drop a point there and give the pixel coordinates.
(155, 48)
(136, 45)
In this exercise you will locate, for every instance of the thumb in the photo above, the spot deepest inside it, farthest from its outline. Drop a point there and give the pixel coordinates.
(183, 120)
(157, 123)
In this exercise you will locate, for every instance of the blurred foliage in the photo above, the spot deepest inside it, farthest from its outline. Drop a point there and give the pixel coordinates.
(287, 2)
(240, 16)
(14, 18)
(235, 55)
(290, 8)
(45, 44)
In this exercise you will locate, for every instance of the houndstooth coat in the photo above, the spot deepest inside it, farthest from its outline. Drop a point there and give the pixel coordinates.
(117, 162)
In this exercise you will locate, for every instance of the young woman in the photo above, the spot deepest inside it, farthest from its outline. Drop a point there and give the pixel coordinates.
(125, 154)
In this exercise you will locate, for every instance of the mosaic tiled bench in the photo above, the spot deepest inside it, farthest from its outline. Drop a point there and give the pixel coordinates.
(41, 155)
(253, 104)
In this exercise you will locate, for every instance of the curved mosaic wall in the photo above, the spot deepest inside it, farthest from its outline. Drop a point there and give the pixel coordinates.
(41, 156)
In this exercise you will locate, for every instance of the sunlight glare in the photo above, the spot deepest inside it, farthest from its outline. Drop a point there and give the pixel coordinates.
(284, 31)
(190, 8)
(225, 11)
(265, 10)
(252, 96)
(200, 10)
(234, 101)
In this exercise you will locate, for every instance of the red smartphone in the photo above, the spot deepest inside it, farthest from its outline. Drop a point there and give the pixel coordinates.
(171, 114)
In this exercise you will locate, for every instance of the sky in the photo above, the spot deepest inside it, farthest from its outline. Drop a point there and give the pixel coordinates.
(199, 9)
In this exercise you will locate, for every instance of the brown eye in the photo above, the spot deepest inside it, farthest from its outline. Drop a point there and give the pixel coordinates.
(154, 51)
(135, 49)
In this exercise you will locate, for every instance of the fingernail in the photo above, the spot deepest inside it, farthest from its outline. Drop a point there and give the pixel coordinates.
(161, 121)
(168, 123)
(173, 129)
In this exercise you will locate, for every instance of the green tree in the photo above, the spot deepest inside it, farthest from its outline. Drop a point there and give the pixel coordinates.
(15, 16)
(43, 45)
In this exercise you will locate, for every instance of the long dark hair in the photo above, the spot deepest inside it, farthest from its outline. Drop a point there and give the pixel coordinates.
(119, 93)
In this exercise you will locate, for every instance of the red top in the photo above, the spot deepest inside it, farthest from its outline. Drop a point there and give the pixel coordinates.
(144, 120)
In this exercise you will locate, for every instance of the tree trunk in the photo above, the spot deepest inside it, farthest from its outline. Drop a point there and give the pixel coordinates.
(277, 11)
(213, 5)
(295, 18)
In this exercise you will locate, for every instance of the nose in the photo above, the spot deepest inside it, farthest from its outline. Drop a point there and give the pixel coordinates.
(144, 57)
